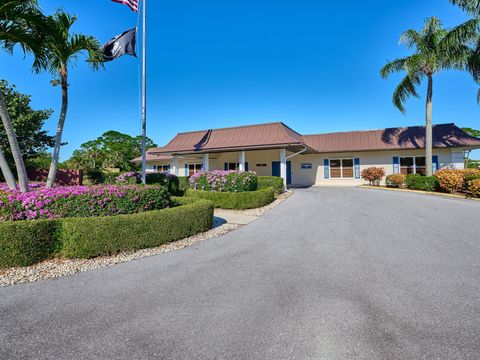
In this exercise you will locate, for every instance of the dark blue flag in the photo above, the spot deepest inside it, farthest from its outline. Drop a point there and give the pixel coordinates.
(123, 44)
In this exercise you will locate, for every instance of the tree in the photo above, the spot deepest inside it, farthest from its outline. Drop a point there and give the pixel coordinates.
(22, 23)
(436, 49)
(470, 6)
(62, 49)
(111, 150)
(27, 123)
(473, 132)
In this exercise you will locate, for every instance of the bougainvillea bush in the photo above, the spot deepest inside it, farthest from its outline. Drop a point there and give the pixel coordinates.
(81, 201)
(373, 175)
(129, 178)
(224, 181)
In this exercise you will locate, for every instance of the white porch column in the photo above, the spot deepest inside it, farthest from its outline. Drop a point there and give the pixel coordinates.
(205, 162)
(283, 167)
(241, 161)
(175, 165)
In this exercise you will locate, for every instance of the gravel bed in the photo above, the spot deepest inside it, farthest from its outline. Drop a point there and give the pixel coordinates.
(61, 267)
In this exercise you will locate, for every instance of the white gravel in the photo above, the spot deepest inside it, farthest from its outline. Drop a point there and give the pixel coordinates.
(61, 267)
(54, 268)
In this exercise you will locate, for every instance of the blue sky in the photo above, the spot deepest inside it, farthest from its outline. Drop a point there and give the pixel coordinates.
(311, 64)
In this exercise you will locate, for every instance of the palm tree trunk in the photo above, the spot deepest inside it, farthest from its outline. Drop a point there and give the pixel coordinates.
(428, 128)
(12, 139)
(7, 173)
(52, 174)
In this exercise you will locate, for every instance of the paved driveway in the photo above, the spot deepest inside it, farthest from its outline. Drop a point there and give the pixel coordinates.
(331, 273)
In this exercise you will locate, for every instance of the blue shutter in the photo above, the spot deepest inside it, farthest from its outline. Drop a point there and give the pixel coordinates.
(357, 168)
(186, 169)
(434, 163)
(326, 168)
(169, 169)
(225, 166)
(396, 165)
(246, 166)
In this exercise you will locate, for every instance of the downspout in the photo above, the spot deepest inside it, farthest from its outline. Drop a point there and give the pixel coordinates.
(291, 156)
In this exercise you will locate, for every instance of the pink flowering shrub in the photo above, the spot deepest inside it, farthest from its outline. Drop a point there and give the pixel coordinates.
(81, 201)
(129, 178)
(224, 181)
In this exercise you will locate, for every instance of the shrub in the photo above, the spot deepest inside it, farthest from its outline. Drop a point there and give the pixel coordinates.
(474, 188)
(165, 179)
(82, 201)
(129, 178)
(270, 181)
(85, 238)
(396, 180)
(469, 175)
(26, 242)
(224, 181)
(450, 180)
(237, 201)
(420, 182)
(373, 175)
(183, 183)
(95, 177)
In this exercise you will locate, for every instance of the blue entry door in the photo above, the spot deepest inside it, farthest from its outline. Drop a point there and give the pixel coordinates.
(276, 170)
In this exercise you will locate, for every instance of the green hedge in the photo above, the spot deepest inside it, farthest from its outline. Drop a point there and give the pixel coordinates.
(26, 242)
(420, 182)
(270, 181)
(168, 180)
(237, 201)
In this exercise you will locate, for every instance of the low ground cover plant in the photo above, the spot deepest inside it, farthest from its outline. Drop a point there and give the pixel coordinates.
(81, 201)
(450, 180)
(396, 180)
(373, 175)
(224, 181)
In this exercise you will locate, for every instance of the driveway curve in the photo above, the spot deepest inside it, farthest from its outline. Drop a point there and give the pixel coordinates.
(331, 273)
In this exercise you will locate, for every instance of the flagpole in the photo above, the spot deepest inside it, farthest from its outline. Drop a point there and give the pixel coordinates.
(144, 93)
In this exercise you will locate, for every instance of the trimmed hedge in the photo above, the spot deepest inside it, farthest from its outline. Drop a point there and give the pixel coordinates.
(420, 182)
(26, 242)
(270, 181)
(237, 201)
(168, 180)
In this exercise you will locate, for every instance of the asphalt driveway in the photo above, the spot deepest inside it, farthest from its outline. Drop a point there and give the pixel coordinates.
(332, 273)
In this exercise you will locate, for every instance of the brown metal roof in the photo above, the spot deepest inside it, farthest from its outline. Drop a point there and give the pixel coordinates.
(444, 135)
(240, 137)
(275, 135)
(152, 157)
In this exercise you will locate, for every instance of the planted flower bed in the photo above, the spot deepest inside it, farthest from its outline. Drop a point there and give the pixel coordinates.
(81, 201)
(230, 189)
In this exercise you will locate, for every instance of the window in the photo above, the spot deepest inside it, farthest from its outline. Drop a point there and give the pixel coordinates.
(412, 165)
(232, 166)
(341, 168)
(160, 168)
(194, 168)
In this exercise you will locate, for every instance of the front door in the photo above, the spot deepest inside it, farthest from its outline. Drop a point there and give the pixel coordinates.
(276, 170)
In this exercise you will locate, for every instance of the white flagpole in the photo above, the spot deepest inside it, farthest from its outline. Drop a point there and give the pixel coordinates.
(144, 94)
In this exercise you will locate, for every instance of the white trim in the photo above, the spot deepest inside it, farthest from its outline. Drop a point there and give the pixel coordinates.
(241, 161)
(341, 169)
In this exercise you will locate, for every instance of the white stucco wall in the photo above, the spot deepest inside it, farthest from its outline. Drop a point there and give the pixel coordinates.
(315, 175)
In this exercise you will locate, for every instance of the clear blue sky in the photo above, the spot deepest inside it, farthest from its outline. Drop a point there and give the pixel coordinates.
(311, 64)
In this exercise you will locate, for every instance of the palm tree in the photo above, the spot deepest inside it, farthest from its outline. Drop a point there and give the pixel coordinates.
(62, 49)
(436, 49)
(470, 6)
(22, 23)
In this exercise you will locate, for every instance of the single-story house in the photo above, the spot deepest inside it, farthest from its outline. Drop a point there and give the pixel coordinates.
(305, 160)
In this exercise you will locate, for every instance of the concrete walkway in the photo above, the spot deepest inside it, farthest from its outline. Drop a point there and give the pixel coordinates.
(331, 273)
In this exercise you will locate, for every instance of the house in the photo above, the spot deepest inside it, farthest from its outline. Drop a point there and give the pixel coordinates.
(305, 160)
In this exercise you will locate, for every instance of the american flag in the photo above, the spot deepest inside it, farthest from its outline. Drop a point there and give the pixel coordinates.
(132, 4)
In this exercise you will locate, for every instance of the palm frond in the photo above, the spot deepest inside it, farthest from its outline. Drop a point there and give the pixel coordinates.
(404, 90)
(470, 6)
(392, 67)
(462, 34)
